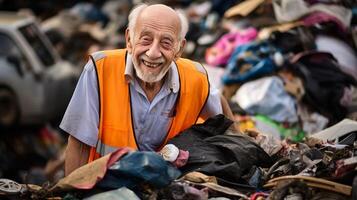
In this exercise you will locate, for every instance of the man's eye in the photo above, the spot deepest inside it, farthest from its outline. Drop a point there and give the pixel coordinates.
(166, 44)
(145, 40)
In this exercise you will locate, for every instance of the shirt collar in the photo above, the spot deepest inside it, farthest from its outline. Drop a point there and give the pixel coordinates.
(172, 81)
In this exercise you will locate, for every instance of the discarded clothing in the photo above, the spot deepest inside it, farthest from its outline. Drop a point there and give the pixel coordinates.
(248, 62)
(324, 83)
(136, 168)
(227, 157)
(220, 52)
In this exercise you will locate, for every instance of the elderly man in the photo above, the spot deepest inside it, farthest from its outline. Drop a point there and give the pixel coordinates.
(141, 96)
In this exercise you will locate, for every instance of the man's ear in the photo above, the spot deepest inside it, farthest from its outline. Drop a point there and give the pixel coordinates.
(182, 48)
(128, 40)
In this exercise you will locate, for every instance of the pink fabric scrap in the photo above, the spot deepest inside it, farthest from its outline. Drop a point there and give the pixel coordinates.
(319, 17)
(221, 51)
(181, 159)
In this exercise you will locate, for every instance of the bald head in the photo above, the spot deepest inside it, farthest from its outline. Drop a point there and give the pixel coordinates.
(160, 9)
(158, 13)
(161, 14)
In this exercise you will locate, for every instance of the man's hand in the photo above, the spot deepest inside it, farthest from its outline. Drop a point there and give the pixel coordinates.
(77, 154)
(228, 112)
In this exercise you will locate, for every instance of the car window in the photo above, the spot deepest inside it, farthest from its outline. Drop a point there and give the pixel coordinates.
(9, 48)
(32, 35)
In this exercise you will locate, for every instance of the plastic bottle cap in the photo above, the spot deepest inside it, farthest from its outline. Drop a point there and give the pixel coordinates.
(170, 152)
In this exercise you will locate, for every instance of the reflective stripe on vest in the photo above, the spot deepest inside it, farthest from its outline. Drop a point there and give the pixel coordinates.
(115, 118)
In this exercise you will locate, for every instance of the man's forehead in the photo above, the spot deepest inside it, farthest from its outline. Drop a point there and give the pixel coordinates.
(160, 14)
(159, 8)
(152, 27)
(165, 25)
(145, 30)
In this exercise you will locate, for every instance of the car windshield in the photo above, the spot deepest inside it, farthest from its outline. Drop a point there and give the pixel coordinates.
(32, 35)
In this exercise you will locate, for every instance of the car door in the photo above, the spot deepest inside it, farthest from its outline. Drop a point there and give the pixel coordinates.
(16, 74)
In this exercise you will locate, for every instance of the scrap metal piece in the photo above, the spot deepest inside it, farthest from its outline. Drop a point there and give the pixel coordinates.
(8, 186)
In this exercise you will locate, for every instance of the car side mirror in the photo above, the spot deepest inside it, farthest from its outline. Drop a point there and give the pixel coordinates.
(16, 61)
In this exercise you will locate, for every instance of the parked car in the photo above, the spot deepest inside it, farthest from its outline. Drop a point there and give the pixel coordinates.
(35, 84)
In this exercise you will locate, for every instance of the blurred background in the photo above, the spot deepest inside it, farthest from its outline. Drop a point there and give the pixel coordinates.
(288, 68)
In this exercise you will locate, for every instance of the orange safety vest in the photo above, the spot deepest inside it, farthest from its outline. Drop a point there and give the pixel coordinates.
(115, 117)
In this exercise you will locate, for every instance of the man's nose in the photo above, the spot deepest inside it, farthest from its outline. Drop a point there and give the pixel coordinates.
(154, 51)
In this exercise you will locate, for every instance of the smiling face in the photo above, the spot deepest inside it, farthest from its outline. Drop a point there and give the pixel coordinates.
(156, 42)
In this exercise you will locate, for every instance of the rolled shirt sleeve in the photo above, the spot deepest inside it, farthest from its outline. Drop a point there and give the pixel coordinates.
(213, 105)
(81, 117)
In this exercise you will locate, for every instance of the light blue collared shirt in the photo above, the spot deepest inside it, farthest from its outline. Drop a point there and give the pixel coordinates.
(151, 119)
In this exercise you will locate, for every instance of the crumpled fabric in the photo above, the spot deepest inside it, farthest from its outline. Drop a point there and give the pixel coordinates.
(181, 159)
(341, 50)
(87, 176)
(267, 96)
(288, 10)
(227, 157)
(250, 61)
(183, 191)
(311, 122)
(139, 167)
(220, 52)
(320, 17)
(324, 83)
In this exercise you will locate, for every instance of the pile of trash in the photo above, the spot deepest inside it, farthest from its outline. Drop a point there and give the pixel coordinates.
(212, 161)
(288, 69)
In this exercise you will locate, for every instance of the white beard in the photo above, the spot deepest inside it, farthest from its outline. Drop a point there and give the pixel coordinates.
(149, 77)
